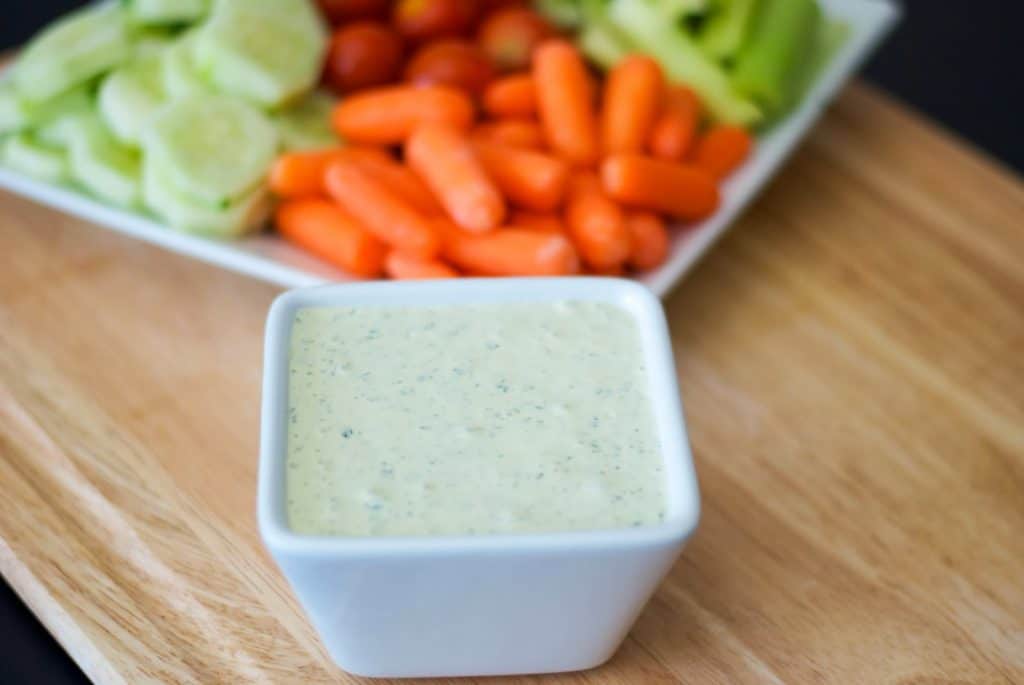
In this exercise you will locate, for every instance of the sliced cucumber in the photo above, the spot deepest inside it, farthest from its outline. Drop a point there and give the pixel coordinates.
(130, 95)
(161, 12)
(62, 130)
(12, 113)
(103, 166)
(180, 75)
(76, 100)
(213, 148)
(74, 49)
(246, 214)
(24, 153)
(153, 41)
(266, 51)
(17, 114)
(307, 125)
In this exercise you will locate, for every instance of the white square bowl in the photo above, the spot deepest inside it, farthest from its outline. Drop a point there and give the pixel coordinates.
(487, 604)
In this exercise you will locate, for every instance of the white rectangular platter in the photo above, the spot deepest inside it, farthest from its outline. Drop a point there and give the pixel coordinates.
(269, 258)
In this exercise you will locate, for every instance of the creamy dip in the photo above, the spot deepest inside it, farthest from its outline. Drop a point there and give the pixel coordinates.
(470, 419)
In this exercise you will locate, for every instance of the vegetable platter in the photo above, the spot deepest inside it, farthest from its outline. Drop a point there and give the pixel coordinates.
(159, 174)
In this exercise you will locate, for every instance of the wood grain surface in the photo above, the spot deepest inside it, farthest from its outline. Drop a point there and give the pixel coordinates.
(852, 362)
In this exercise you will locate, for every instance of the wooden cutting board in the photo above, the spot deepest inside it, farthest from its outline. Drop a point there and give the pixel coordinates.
(852, 362)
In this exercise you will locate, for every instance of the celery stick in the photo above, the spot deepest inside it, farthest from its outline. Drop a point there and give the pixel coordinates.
(598, 38)
(643, 22)
(727, 29)
(561, 13)
(675, 9)
(601, 44)
(767, 68)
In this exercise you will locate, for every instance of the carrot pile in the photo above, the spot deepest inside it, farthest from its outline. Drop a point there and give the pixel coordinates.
(546, 172)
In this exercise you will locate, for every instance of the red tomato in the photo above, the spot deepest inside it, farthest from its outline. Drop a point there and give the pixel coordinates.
(338, 11)
(508, 36)
(487, 6)
(361, 54)
(456, 63)
(420, 20)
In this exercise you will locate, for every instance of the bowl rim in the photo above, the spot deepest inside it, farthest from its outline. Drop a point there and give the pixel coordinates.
(683, 494)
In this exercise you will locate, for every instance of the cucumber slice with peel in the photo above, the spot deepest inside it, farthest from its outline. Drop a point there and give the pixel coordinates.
(307, 125)
(162, 12)
(102, 165)
(18, 114)
(72, 50)
(266, 51)
(64, 129)
(153, 42)
(12, 112)
(246, 214)
(215, 149)
(130, 96)
(181, 76)
(27, 155)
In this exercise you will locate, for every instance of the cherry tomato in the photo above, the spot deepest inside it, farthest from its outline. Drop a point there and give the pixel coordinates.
(508, 36)
(338, 11)
(361, 54)
(420, 20)
(488, 6)
(456, 63)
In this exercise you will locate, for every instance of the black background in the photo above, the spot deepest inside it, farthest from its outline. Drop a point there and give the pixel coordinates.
(960, 63)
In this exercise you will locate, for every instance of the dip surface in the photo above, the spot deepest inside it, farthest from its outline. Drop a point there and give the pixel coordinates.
(470, 419)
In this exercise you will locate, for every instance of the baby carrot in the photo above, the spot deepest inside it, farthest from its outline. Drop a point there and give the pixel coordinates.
(648, 239)
(683, 191)
(511, 96)
(301, 174)
(388, 115)
(518, 132)
(528, 178)
(402, 181)
(366, 153)
(632, 99)
(564, 97)
(293, 174)
(380, 209)
(443, 157)
(537, 221)
(510, 252)
(326, 230)
(675, 127)
(722, 149)
(405, 267)
(298, 174)
(595, 223)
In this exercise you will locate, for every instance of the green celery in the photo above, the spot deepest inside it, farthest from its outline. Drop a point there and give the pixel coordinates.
(562, 13)
(598, 38)
(768, 67)
(602, 45)
(644, 23)
(726, 30)
(676, 9)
